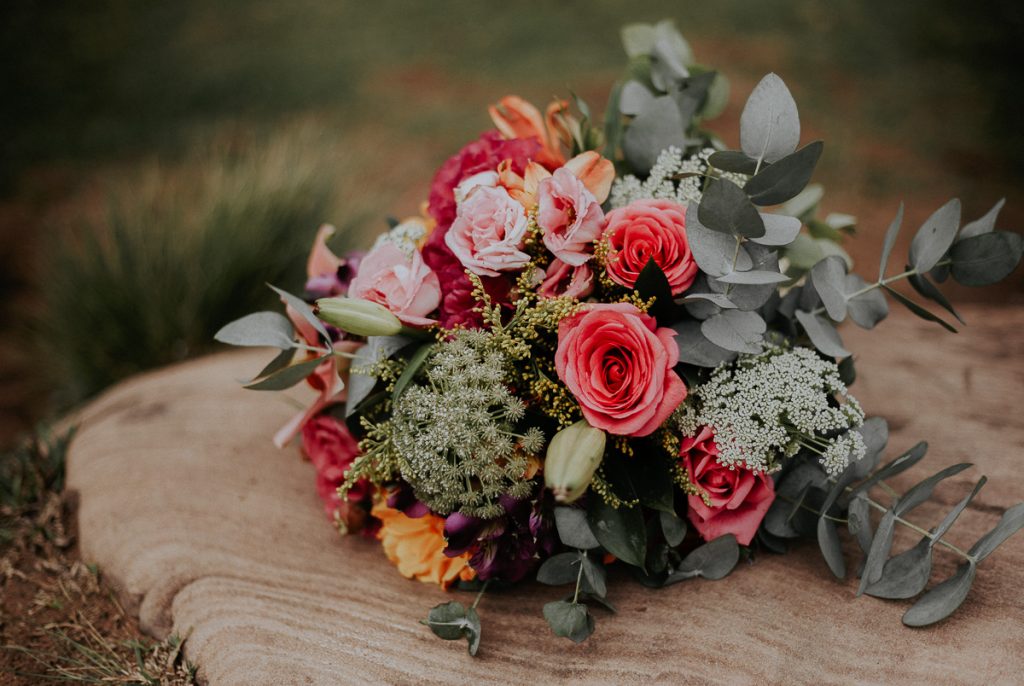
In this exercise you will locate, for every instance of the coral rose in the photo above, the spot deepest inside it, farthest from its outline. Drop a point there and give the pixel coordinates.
(400, 281)
(618, 365)
(331, 448)
(649, 230)
(570, 216)
(739, 498)
(489, 232)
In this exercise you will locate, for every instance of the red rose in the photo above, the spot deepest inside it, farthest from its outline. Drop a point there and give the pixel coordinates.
(739, 497)
(649, 230)
(618, 365)
(332, 449)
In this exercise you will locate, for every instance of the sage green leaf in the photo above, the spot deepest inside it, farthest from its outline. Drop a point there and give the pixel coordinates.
(754, 277)
(713, 251)
(569, 620)
(769, 123)
(304, 310)
(657, 127)
(906, 574)
(929, 290)
(713, 560)
(560, 569)
(595, 577)
(875, 434)
(779, 230)
(896, 466)
(696, 349)
(717, 99)
(924, 489)
(784, 179)
(829, 279)
(943, 600)
(822, 334)
(986, 224)
(280, 361)
(451, 621)
(858, 517)
(806, 201)
(733, 161)
(831, 548)
(890, 241)
(725, 207)
(881, 545)
(287, 377)
(750, 297)
(987, 258)
(918, 310)
(619, 530)
(933, 239)
(573, 529)
(613, 124)
(377, 348)
(673, 527)
(952, 515)
(1009, 524)
(634, 98)
(415, 363)
(865, 307)
(259, 329)
(603, 602)
(716, 299)
(735, 330)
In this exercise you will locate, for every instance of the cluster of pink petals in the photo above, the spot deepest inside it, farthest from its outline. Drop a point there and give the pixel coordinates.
(400, 281)
(648, 230)
(489, 231)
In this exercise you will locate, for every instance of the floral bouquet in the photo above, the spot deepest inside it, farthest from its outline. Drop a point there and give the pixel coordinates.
(618, 346)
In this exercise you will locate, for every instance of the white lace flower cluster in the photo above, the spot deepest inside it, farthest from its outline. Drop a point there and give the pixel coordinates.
(672, 177)
(774, 404)
(455, 435)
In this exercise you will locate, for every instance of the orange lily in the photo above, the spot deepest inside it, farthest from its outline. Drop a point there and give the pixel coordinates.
(321, 260)
(594, 171)
(516, 118)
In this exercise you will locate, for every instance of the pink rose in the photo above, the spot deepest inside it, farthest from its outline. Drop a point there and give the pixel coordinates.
(457, 301)
(564, 279)
(489, 232)
(401, 282)
(331, 448)
(618, 365)
(570, 216)
(649, 229)
(739, 497)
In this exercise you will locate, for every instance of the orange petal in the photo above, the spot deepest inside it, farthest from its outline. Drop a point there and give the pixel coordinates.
(594, 171)
(516, 118)
(560, 124)
(321, 259)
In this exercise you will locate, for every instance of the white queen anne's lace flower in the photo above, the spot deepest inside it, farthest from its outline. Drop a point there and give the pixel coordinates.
(672, 177)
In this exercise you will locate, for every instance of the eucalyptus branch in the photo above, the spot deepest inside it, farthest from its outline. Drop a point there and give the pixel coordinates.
(579, 579)
(882, 283)
(735, 257)
(802, 506)
(910, 525)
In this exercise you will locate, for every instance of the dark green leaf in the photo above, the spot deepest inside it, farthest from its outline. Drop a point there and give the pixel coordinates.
(652, 480)
(890, 241)
(377, 348)
(859, 522)
(1009, 524)
(735, 330)
(935, 236)
(713, 560)
(733, 161)
(658, 126)
(926, 288)
(918, 310)
(451, 621)
(986, 224)
(594, 576)
(952, 515)
(879, 553)
(560, 569)
(570, 620)
(786, 178)
(620, 530)
(943, 600)
(847, 371)
(573, 529)
(696, 349)
(875, 433)
(280, 361)
(612, 124)
(987, 258)
(754, 277)
(750, 297)
(865, 307)
(414, 365)
(924, 489)
(906, 574)
(673, 527)
(725, 208)
(829, 279)
(304, 311)
(652, 283)
(287, 377)
(769, 123)
(896, 466)
(259, 329)
(831, 548)
(714, 252)
(822, 334)
(779, 230)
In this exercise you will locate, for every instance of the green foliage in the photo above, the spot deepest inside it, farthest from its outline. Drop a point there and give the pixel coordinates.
(33, 468)
(452, 621)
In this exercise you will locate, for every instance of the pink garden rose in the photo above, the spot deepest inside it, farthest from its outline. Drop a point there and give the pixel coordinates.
(739, 497)
(618, 365)
(570, 216)
(564, 279)
(401, 282)
(488, 233)
(331, 448)
(649, 230)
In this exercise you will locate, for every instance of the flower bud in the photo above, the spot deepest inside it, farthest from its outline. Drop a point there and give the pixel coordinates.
(574, 454)
(359, 317)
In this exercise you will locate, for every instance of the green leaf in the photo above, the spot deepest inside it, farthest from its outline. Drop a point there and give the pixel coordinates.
(933, 239)
(673, 527)
(735, 330)
(377, 348)
(875, 433)
(733, 161)
(637, 39)
(866, 308)
(612, 124)
(822, 334)
(696, 349)
(929, 290)
(754, 277)
(943, 600)
(847, 371)
(716, 299)
(881, 545)
(779, 230)
(890, 241)
(750, 297)
(570, 620)
(652, 283)
(805, 203)
(1009, 524)
(652, 479)
(725, 208)
(634, 98)
(451, 621)
(594, 577)
(831, 548)
(573, 529)
(415, 363)
(560, 569)
(304, 310)
(783, 180)
(906, 574)
(918, 310)
(896, 466)
(713, 251)
(713, 560)
(986, 224)
(657, 127)
(287, 377)
(280, 361)
(769, 123)
(952, 515)
(259, 329)
(619, 530)
(858, 517)
(987, 258)
(829, 279)
(924, 489)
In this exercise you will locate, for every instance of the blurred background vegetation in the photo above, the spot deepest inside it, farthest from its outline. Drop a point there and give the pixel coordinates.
(160, 161)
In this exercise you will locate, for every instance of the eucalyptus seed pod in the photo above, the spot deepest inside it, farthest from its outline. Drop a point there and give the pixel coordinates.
(359, 317)
(574, 454)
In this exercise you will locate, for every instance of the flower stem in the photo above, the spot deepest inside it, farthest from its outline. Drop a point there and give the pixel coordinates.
(579, 578)
(480, 594)
(880, 283)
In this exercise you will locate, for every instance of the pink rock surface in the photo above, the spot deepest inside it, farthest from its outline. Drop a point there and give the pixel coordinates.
(210, 531)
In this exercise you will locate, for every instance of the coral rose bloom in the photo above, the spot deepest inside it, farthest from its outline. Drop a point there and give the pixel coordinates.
(618, 365)
(416, 546)
(400, 281)
(739, 497)
(489, 232)
(649, 230)
(570, 216)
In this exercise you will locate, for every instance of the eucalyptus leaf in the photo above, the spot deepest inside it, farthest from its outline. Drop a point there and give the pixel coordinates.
(875, 434)
(713, 560)
(858, 516)
(865, 307)
(619, 530)
(569, 620)
(831, 548)
(689, 93)
(573, 529)
(280, 361)
(716, 299)
(451, 621)
(733, 161)
(560, 569)
(288, 376)
(696, 349)
(985, 224)
(881, 545)
(769, 123)
(952, 515)
(847, 371)
(725, 207)
(929, 290)
(750, 297)
(595, 577)
(933, 239)
(918, 310)
(784, 179)
(905, 575)
(829, 278)
(735, 330)
(377, 348)
(712, 250)
(806, 201)
(895, 466)
(754, 277)
(1009, 524)
(924, 489)
(942, 600)
(890, 240)
(779, 229)
(638, 39)
(822, 334)
(658, 126)
(673, 527)
(634, 98)
(259, 329)
(304, 311)
(987, 258)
